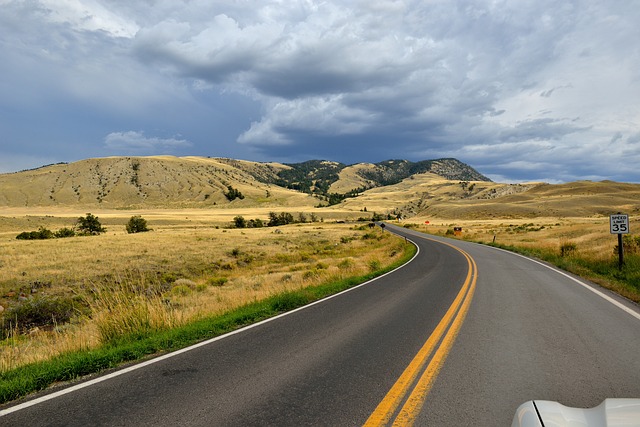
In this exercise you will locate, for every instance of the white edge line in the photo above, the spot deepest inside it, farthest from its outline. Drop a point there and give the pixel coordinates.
(186, 349)
(578, 281)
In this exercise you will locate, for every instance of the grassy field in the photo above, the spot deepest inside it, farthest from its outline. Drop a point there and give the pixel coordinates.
(76, 305)
(581, 245)
(79, 293)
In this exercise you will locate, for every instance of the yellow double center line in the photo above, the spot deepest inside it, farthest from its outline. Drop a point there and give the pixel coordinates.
(409, 384)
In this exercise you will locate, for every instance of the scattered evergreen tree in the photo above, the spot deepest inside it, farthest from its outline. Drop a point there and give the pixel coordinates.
(89, 225)
(239, 222)
(136, 224)
(65, 232)
(255, 223)
(233, 193)
(41, 234)
(283, 218)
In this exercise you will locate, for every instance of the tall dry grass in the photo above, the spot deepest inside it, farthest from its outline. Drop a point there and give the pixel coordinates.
(140, 283)
(583, 246)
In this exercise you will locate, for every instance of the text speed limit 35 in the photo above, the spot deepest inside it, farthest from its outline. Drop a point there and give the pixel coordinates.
(619, 224)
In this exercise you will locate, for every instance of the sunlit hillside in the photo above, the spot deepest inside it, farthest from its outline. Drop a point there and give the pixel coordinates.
(576, 199)
(150, 182)
(421, 192)
(197, 182)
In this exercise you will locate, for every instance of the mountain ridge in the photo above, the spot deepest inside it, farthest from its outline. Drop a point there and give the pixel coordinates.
(167, 182)
(128, 181)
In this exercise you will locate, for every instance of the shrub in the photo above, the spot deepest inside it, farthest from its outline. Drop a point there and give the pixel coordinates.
(255, 223)
(568, 248)
(233, 194)
(136, 224)
(90, 225)
(41, 234)
(217, 281)
(239, 222)
(631, 244)
(65, 232)
(41, 311)
(283, 218)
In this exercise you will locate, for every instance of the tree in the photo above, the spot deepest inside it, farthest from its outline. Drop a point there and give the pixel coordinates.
(255, 223)
(239, 222)
(233, 194)
(136, 224)
(283, 219)
(90, 225)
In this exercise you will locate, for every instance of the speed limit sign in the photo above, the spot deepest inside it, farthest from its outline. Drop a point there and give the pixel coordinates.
(619, 224)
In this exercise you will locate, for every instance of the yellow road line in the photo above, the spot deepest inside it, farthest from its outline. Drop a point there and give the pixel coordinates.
(383, 413)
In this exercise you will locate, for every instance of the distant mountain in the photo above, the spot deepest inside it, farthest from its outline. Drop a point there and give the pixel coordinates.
(166, 181)
(442, 188)
(319, 176)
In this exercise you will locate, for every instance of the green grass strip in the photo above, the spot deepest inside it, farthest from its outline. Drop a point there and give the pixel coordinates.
(27, 379)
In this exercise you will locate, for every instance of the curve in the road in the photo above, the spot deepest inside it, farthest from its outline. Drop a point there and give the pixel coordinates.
(413, 390)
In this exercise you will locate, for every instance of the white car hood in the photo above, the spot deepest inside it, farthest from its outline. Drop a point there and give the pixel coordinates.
(610, 413)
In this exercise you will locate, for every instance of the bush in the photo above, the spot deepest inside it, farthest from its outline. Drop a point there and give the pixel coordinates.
(40, 311)
(239, 222)
(233, 194)
(90, 225)
(283, 218)
(217, 281)
(568, 248)
(136, 224)
(65, 232)
(255, 223)
(41, 234)
(630, 244)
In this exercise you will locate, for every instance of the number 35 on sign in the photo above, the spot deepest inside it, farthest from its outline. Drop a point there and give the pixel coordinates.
(619, 224)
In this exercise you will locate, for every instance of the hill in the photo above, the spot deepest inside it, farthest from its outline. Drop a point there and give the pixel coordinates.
(134, 182)
(165, 181)
(427, 196)
(443, 188)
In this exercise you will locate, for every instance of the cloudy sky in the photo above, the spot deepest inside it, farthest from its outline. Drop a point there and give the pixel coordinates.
(521, 90)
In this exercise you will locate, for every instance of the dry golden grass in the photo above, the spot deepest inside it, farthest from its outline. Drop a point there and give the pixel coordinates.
(591, 251)
(189, 266)
(591, 235)
(150, 182)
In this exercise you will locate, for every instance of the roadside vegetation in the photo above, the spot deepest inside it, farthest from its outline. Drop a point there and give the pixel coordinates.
(582, 246)
(75, 306)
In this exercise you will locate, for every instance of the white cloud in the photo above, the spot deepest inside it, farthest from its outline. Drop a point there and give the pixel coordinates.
(542, 83)
(89, 15)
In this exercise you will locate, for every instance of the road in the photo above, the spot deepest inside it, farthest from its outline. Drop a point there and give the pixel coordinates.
(459, 336)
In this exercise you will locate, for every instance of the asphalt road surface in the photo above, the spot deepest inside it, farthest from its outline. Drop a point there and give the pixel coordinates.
(460, 336)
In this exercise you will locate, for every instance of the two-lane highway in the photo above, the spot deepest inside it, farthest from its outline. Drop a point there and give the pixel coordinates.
(459, 336)
(533, 332)
(328, 364)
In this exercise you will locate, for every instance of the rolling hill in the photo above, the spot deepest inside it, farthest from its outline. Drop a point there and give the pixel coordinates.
(136, 182)
(165, 181)
(444, 188)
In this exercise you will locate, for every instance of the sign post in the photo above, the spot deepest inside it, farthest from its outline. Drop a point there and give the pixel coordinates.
(619, 224)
